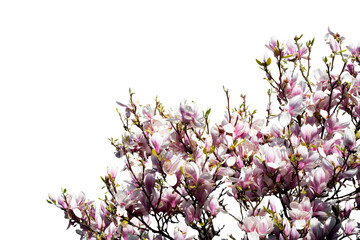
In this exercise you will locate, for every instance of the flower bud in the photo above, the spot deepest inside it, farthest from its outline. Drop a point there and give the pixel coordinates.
(349, 227)
(349, 139)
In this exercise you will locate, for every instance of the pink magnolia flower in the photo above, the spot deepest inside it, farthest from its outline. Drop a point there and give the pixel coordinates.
(317, 230)
(301, 212)
(293, 109)
(272, 203)
(148, 112)
(100, 221)
(294, 234)
(273, 158)
(330, 147)
(347, 209)
(348, 174)
(330, 34)
(149, 182)
(80, 200)
(64, 201)
(172, 169)
(191, 214)
(128, 108)
(125, 198)
(265, 226)
(309, 133)
(181, 232)
(293, 50)
(273, 46)
(249, 177)
(158, 142)
(128, 232)
(287, 227)
(275, 131)
(257, 227)
(355, 50)
(169, 201)
(349, 139)
(320, 209)
(349, 227)
(318, 180)
(333, 125)
(190, 114)
(202, 191)
(110, 231)
(350, 68)
(112, 171)
(307, 159)
(193, 171)
(241, 129)
(333, 45)
(212, 205)
(322, 80)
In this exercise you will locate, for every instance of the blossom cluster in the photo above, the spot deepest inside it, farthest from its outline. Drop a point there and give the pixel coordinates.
(293, 175)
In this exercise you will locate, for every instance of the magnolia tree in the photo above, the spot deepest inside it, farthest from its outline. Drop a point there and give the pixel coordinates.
(292, 175)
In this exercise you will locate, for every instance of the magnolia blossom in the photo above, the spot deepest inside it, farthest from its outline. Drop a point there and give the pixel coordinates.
(181, 232)
(349, 227)
(354, 50)
(294, 108)
(257, 227)
(273, 158)
(212, 205)
(301, 212)
(190, 114)
(158, 142)
(318, 180)
(273, 46)
(309, 133)
(333, 125)
(349, 139)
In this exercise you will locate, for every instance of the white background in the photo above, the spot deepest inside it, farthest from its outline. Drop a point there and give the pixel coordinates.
(64, 64)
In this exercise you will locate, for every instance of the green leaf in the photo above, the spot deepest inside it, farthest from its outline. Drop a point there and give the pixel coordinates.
(111, 179)
(155, 153)
(50, 202)
(103, 179)
(260, 63)
(182, 170)
(212, 149)
(287, 56)
(207, 112)
(205, 151)
(268, 61)
(268, 211)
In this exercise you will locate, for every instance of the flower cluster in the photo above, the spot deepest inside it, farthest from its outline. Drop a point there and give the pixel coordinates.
(293, 175)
